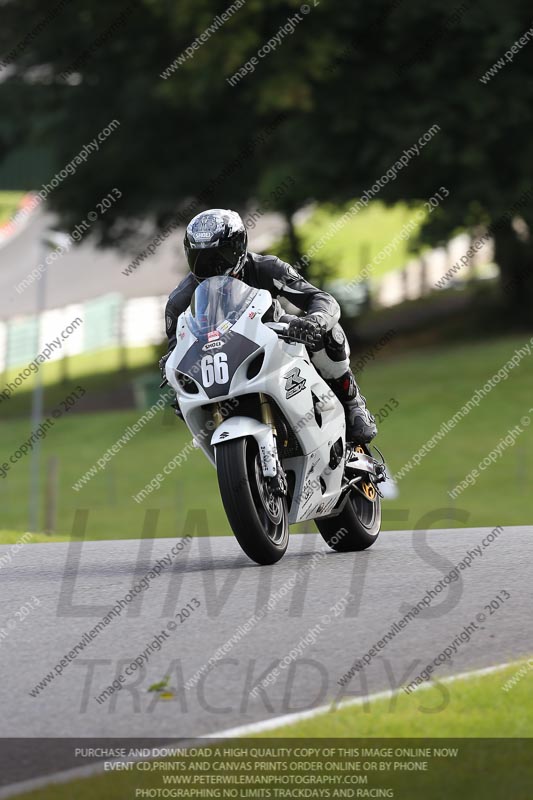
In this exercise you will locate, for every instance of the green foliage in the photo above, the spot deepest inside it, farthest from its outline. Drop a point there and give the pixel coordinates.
(9, 202)
(160, 686)
(356, 85)
(357, 243)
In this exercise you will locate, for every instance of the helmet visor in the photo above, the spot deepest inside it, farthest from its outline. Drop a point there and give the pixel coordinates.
(212, 261)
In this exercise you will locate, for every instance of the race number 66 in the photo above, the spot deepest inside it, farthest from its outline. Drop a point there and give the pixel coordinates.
(214, 369)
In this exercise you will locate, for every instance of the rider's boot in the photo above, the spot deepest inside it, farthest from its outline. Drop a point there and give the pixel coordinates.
(360, 424)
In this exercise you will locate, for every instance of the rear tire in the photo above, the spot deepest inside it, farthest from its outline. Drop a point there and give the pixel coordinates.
(356, 527)
(258, 519)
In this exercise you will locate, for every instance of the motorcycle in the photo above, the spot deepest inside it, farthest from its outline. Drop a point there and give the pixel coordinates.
(270, 425)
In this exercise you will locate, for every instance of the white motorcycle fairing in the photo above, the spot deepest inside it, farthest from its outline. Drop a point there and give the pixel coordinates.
(237, 427)
(244, 357)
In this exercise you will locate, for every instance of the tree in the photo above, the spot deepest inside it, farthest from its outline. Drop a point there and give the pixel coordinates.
(409, 67)
(355, 85)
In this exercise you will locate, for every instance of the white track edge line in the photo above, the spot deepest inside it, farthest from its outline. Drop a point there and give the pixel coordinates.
(297, 716)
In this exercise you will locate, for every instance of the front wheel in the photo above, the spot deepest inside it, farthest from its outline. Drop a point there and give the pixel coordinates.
(357, 526)
(258, 518)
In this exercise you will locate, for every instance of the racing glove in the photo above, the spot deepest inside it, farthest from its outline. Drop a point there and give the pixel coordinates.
(310, 330)
(177, 410)
(162, 365)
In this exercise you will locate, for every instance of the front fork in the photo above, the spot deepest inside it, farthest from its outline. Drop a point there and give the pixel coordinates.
(271, 468)
(218, 417)
(277, 483)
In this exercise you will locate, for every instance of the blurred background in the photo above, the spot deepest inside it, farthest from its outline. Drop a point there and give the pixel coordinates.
(384, 148)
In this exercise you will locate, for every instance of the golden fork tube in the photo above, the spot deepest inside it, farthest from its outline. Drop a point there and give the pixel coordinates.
(266, 412)
(218, 419)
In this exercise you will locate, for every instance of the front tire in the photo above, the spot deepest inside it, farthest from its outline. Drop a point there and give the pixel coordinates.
(357, 526)
(258, 519)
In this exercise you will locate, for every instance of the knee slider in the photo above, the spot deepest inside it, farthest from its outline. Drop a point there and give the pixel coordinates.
(335, 344)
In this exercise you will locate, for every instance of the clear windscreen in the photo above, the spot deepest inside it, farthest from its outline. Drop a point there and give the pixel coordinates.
(216, 306)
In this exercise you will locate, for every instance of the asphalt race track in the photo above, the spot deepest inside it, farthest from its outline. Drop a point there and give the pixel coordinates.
(67, 588)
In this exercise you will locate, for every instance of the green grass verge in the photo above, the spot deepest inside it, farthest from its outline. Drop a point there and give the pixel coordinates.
(105, 371)
(9, 202)
(358, 242)
(471, 708)
(429, 386)
(13, 537)
(103, 363)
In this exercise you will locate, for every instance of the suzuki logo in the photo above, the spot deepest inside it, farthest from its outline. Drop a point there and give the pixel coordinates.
(294, 382)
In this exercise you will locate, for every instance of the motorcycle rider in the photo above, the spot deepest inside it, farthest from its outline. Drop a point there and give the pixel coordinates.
(216, 243)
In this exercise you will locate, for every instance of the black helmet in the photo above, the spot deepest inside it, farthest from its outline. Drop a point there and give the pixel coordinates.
(216, 243)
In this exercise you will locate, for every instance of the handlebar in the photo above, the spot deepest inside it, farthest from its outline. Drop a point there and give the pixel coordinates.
(278, 327)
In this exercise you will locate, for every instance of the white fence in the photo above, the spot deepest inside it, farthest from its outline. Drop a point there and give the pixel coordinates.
(107, 321)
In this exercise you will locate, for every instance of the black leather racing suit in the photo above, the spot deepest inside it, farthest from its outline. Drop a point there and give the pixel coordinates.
(281, 280)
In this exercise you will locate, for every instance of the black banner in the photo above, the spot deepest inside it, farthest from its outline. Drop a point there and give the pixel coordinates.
(406, 769)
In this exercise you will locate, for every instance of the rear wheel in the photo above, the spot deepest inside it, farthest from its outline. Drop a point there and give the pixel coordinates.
(258, 518)
(357, 526)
